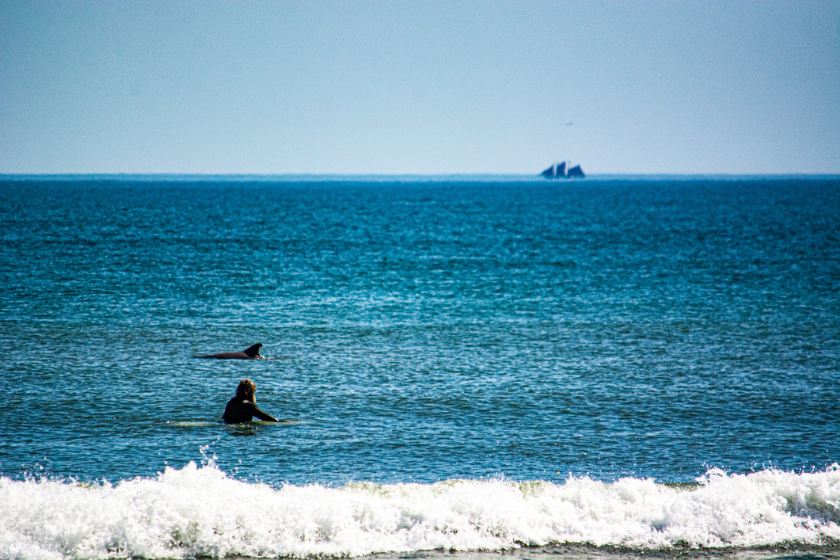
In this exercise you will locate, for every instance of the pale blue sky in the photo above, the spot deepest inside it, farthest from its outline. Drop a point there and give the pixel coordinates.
(424, 87)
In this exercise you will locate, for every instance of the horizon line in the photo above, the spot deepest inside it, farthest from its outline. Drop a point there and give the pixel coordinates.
(416, 176)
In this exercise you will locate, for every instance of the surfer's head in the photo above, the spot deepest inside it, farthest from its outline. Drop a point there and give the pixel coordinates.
(247, 390)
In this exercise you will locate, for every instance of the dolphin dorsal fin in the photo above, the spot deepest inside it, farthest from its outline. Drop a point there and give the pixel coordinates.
(253, 350)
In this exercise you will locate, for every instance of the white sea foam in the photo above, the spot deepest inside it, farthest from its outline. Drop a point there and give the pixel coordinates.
(201, 511)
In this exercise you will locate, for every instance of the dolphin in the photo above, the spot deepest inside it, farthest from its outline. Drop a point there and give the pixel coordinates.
(252, 353)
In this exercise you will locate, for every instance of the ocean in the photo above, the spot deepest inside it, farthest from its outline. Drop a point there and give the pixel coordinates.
(472, 367)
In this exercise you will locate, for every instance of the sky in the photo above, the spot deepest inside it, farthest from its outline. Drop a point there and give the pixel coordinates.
(419, 87)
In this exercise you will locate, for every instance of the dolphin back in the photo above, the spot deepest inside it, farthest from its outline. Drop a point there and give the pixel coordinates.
(251, 353)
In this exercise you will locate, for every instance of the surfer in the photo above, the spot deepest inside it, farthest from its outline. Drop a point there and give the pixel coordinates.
(243, 407)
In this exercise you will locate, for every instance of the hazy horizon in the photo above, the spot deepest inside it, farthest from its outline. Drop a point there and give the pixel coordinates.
(412, 176)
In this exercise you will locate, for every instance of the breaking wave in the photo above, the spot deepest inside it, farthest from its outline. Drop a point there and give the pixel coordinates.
(200, 511)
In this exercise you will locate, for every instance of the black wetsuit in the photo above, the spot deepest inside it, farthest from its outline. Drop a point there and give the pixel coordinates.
(240, 410)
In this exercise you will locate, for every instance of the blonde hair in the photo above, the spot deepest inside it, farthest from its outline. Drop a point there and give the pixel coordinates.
(247, 389)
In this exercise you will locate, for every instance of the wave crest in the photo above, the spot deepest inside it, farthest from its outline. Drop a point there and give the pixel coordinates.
(200, 511)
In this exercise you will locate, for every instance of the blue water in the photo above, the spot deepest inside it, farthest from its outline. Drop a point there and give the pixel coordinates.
(421, 329)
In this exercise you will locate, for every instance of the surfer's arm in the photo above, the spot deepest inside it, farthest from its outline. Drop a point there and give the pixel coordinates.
(262, 415)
